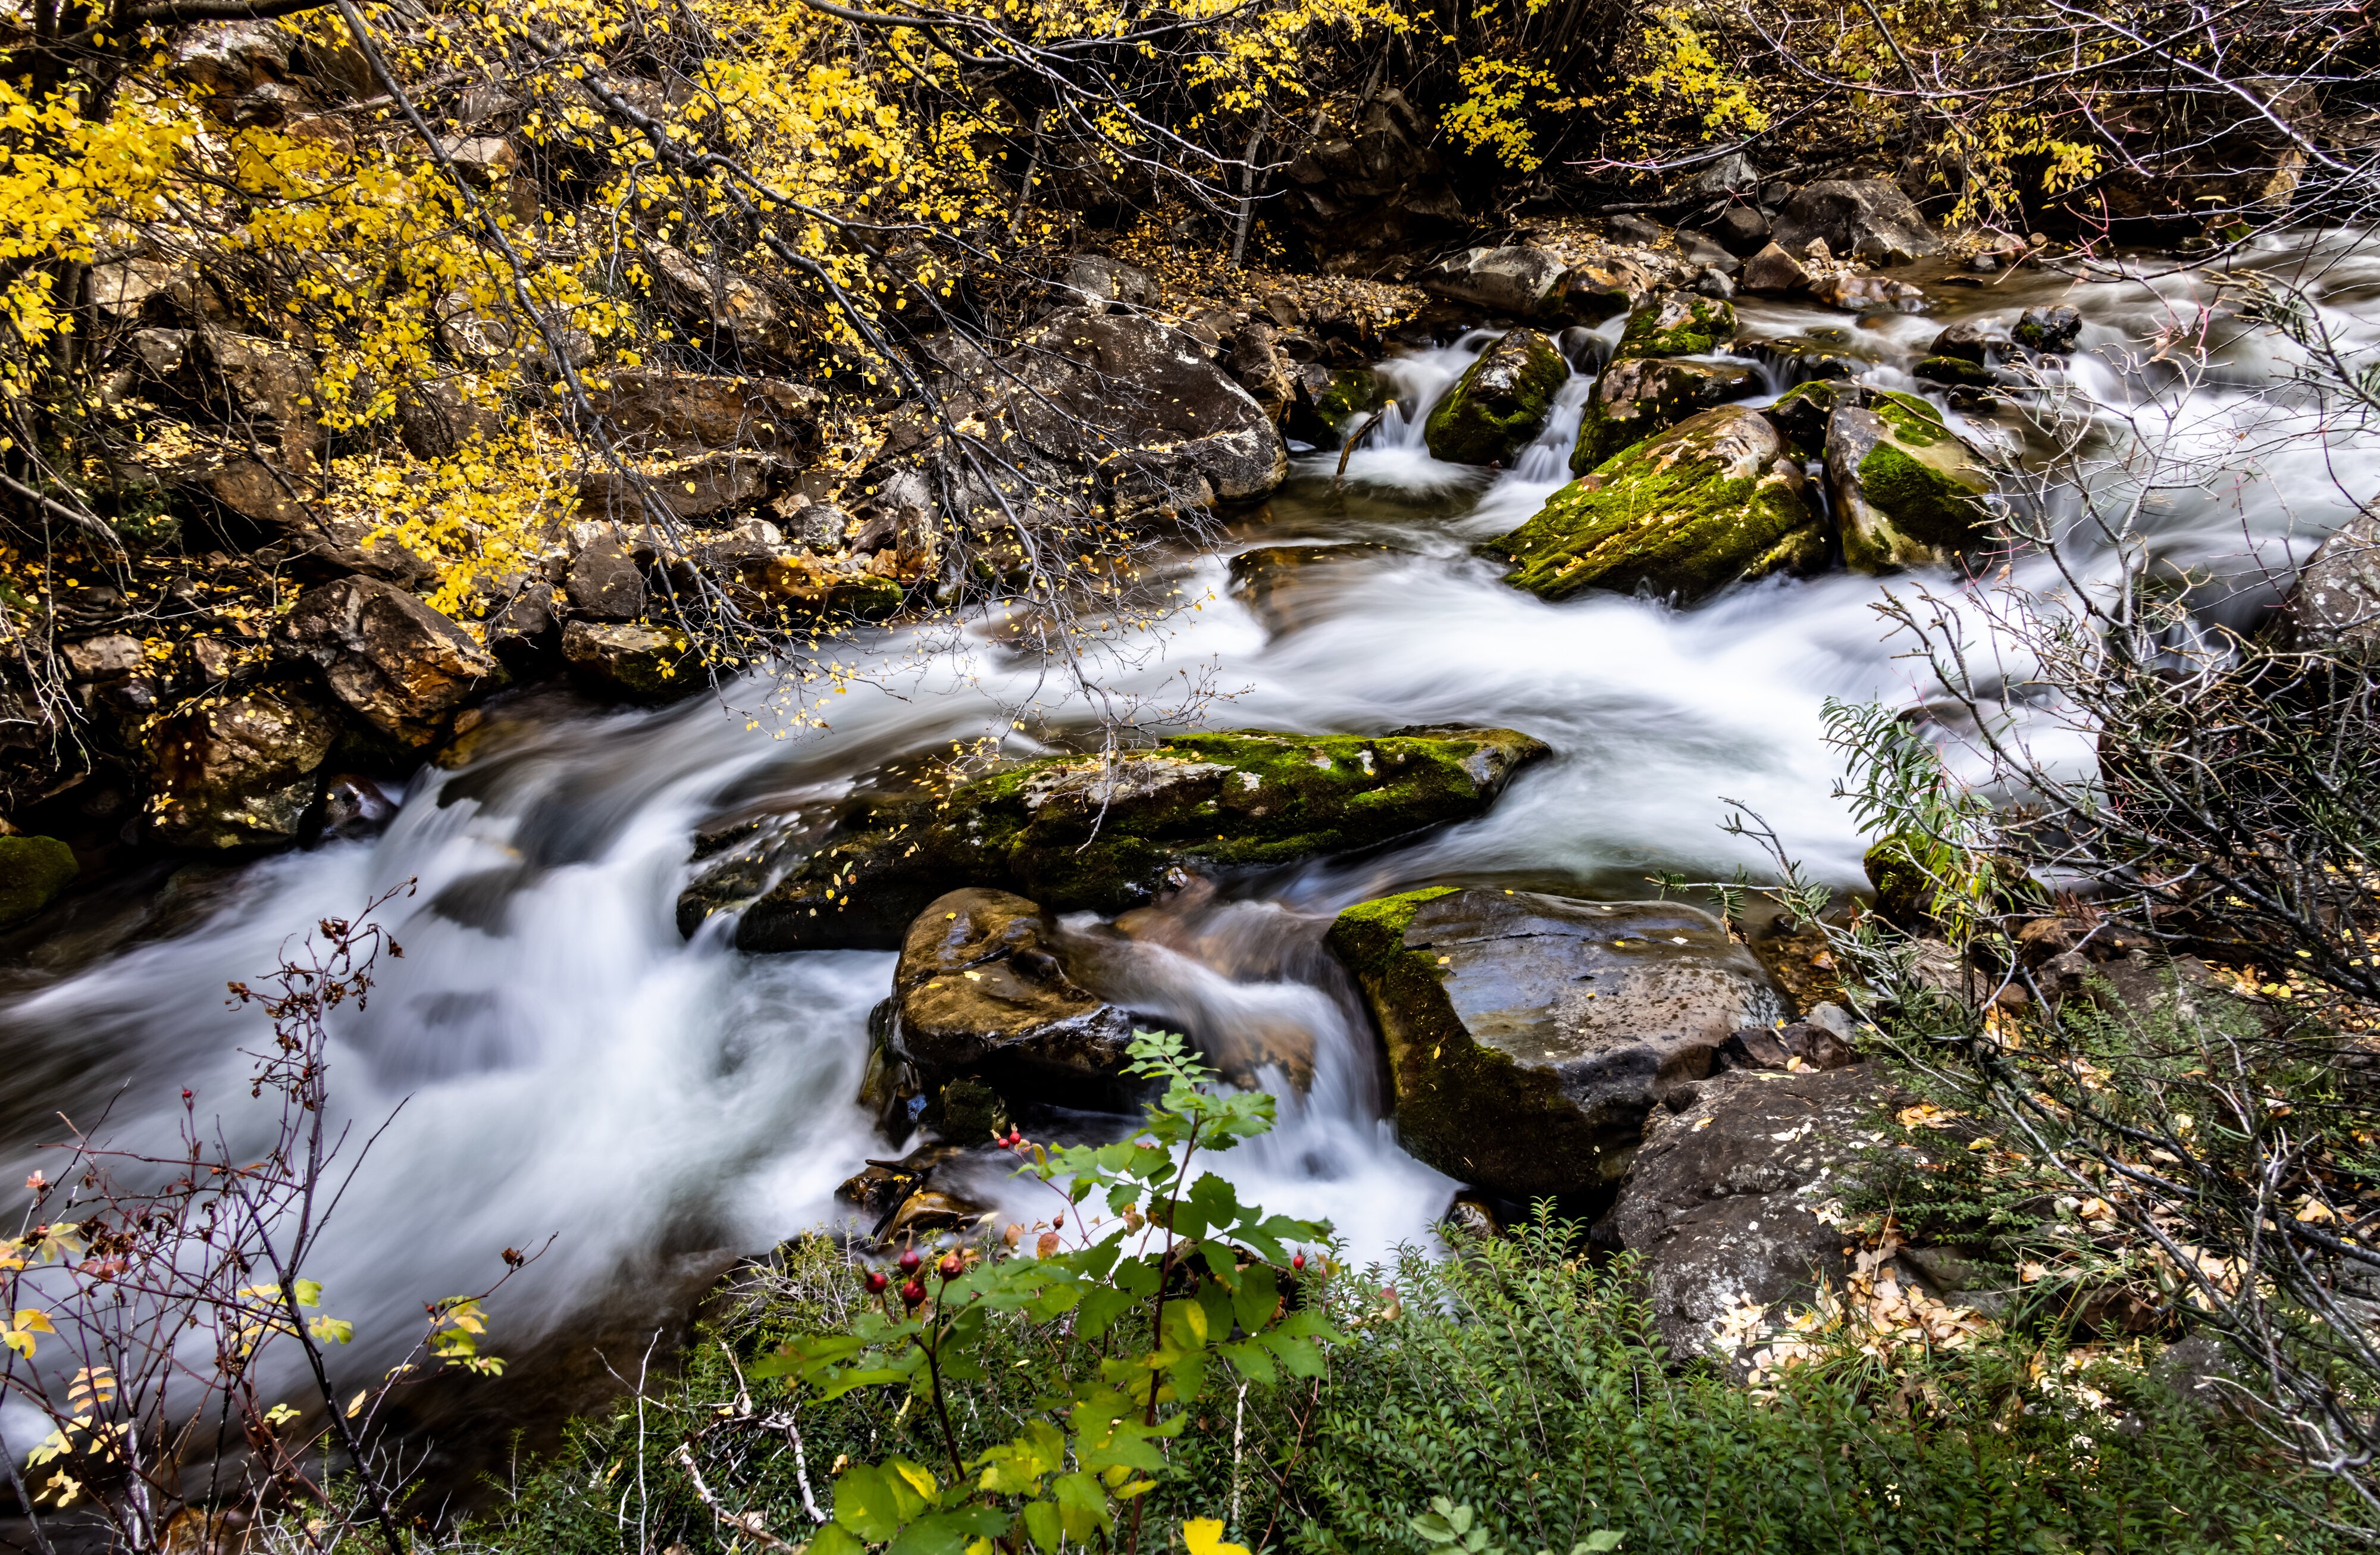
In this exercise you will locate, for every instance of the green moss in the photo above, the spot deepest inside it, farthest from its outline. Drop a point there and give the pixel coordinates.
(1911, 417)
(1923, 502)
(32, 872)
(1499, 403)
(1353, 391)
(1953, 369)
(1801, 414)
(1655, 515)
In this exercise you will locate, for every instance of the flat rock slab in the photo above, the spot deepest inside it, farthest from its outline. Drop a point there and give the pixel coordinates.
(1528, 1035)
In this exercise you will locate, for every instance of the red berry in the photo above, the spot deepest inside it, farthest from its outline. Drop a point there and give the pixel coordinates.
(913, 1292)
(877, 1280)
(952, 1265)
(910, 1260)
(1297, 1262)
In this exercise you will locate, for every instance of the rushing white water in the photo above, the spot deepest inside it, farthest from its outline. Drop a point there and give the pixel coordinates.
(567, 1065)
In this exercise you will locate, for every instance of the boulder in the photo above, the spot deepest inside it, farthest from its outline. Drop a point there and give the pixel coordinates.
(437, 421)
(1529, 1036)
(1677, 325)
(1500, 402)
(2335, 605)
(32, 872)
(1907, 491)
(1733, 174)
(1161, 427)
(735, 309)
(1614, 282)
(1741, 231)
(702, 411)
(1519, 282)
(258, 388)
(1866, 219)
(981, 988)
(153, 291)
(1772, 272)
(1075, 832)
(1712, 499)
(1096, 281)
(1972, 340)
(710, 489)
(1642, 395)
(1259, 366)
(1803, 412)
(239, 771)
(1867, 294)
(2050, 330)
(635, 664)
(604, 582)
(1367, 200)
(1952, 371)
(1733, 1200)
(108, 657)
(399, 663)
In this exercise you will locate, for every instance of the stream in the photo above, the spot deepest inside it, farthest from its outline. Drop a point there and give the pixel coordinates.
(569, 1066)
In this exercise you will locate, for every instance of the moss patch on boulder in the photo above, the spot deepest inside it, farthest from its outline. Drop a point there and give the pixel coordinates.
(1706, 502)
(1908, 491)
(32, 872)
(1499, 402)
(1636, 398)
(1074, 832)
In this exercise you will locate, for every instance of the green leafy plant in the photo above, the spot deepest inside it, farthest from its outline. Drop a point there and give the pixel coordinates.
(1211, 1281)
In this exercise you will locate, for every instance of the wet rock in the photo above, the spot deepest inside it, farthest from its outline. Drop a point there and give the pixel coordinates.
(1097, 281)
(33, 870)
(1287, 586)
(2049, 330)
(1793, 1047)
(1805, 411)
(1866, 219)
(1163, 428)
(698, 410)
(1723, 1204)
(1867, 294)
(1529, 1036)
(2334, 607)
(1518, 283)
(982, 990)
(1072, 834)
(1771, 271)
(1259, 366)
(604, 582)
(1641, 395)
(1677, 325)
(1610, 283)
(1365, 204)
(526, 634)
(1328, 418)
(1500, 402)
(1712, 499)
(635, 664)
(1970, 341)
(1952, 371)
(351, 807)
(1741, 231)
(384, 653)
(924, 1214)
(1907, 491)
(237, 772)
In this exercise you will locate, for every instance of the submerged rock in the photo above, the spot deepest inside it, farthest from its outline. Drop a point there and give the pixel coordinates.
(32, 872)
(1074, 832)
(1528, 1035)
(982, 990)
(1642, 395)
(1677, 325)
(1908, 491)
(1712, 499)
(1499, 402)
(1287, 585)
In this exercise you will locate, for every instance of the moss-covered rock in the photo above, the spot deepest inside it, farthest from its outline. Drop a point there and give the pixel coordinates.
(1528, 1035)
(1677, 325)
(1074, 832)
(1499, 402)
(1908, 491)
(1637, 398)
(639, 663)
(1712, 499)
(1954, 370)
(32, 872)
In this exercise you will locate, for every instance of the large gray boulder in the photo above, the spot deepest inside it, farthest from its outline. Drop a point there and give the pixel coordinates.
(2335, 606)
(1908, 491)
(1163, 429)
(1500, 402)
(1529, 1036)
(1519, 282)
(1862, 218)
(399, 663)
(1733, 1202)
